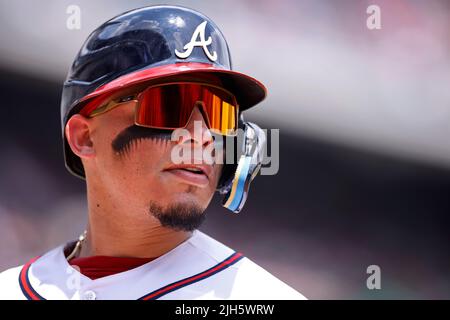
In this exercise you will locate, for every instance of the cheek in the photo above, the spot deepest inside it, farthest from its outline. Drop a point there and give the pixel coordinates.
(142, 158)
(139, 161)
(137, 174)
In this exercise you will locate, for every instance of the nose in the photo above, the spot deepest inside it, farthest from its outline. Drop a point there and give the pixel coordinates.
(198, 128)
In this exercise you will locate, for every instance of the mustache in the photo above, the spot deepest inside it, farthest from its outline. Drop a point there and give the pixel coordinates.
(133, 134)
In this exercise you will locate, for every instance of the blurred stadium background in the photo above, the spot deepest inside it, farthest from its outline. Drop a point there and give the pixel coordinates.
(364, 119)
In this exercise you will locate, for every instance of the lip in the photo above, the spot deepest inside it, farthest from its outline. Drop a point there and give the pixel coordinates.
(198, 179)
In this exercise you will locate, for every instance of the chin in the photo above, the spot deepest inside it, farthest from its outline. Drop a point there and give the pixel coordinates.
(187, 199)
(179, 214)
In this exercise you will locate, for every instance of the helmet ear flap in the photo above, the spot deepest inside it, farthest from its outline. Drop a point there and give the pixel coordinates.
(235, 180)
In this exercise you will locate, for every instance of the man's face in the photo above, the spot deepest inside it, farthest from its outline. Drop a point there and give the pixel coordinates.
(134, 164)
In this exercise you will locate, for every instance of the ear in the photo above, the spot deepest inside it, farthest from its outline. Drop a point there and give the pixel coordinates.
(78, 135)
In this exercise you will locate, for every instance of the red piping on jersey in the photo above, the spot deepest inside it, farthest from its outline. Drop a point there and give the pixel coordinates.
(235, 257)
(25, 284)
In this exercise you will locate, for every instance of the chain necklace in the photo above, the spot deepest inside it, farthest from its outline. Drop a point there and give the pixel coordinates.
(77, 248)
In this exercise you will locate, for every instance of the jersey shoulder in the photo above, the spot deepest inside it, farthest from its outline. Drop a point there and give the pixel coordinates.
(253, 281)
(9, 284)
(243, 279)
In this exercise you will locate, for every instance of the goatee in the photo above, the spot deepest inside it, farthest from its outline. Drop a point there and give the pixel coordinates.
(180, 217)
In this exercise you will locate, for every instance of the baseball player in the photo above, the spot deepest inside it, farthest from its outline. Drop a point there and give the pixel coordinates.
(139, 80)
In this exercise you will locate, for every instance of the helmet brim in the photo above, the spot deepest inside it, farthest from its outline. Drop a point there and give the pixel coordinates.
(248, 90)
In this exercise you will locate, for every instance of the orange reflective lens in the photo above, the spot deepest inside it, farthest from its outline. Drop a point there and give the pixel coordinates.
(170, 106)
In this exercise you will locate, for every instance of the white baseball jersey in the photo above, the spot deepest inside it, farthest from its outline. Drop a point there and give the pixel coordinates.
(199, 268)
